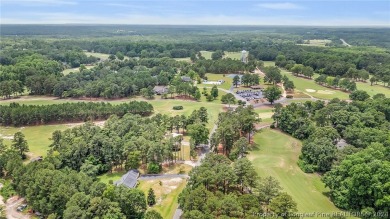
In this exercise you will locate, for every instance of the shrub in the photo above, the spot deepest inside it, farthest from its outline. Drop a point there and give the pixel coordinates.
(177, 107)
(154, 168)
(209, 98)
(272, 126)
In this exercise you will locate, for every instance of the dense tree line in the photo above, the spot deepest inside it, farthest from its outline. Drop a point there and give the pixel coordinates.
(65, 193)
(16, 114)
(352, 64)
(235, 128)
(357, 172)
(219, 188)
(129, 141)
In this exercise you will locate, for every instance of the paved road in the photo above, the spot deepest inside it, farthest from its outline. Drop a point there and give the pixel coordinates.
(345, 43)
(206, 150)
(161, 176)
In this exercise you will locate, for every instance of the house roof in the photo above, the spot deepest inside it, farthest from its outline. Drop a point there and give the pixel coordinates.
(129, 179)
(160, 89)
(185, 78)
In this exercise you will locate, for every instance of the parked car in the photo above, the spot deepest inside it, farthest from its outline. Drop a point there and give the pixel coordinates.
(21, 207)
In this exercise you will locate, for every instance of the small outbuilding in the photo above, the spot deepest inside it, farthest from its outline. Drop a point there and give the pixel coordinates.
(129, 180)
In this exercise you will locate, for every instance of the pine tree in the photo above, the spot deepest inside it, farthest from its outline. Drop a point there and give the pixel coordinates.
(151, 197)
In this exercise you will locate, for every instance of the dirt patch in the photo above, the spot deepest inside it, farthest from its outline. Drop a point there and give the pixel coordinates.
(310, 90)
(281, 163)
(97, 123)
(7, 137)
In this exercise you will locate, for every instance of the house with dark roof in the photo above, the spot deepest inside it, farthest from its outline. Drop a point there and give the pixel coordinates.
(129, 180)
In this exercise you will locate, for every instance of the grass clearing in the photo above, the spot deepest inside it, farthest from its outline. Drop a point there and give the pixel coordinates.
(374, 89)
(277, 156)
(233, 55)
(316, 42)
(114, 176)
(37, 137)
(75, 70)
(166, 194)
(309, 87)
(187, 59)
(215, 77)
(206, 54)
(101, 56)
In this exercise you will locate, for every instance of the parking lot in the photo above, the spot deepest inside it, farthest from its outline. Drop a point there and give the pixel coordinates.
(250, 94)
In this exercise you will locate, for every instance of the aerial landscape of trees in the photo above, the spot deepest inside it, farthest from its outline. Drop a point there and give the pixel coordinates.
(54, 76)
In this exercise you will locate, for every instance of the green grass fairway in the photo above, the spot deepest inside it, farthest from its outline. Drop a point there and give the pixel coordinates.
(277, 156)
(269, 63)
(37, 136)
(206, 54)
(102, 56)
(233, 55)
(374, 89)
(311, 88)
(69, 70)
(317, 42)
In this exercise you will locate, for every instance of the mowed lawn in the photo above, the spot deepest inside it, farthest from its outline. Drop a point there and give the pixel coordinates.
(233, 55)
(309, 87)
(37, 136)
(215, 77)
(102, 56)
(374, 89)
(75, 70)
(276, 155)
(206, 54)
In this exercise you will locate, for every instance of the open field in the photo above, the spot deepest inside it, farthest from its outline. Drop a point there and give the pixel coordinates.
(166, 194)
(233, 55)
(206, 54)
(277, 156)
(187, 59)
(316, 42)
(102, 56)
(309, 87)
(36, 136)
(215, 77)
(374, 89)
(69, 70)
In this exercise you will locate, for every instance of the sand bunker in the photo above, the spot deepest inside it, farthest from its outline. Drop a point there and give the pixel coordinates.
(325, 92)
(310, 90)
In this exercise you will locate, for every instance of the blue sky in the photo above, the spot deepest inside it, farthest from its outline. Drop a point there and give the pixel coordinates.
(213, 12)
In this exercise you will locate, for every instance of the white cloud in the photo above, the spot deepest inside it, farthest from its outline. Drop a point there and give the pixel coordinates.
(280, 6)
(40, 2)
(73, 18)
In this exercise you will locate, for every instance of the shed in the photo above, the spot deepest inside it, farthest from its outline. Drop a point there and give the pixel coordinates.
(129, 179)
